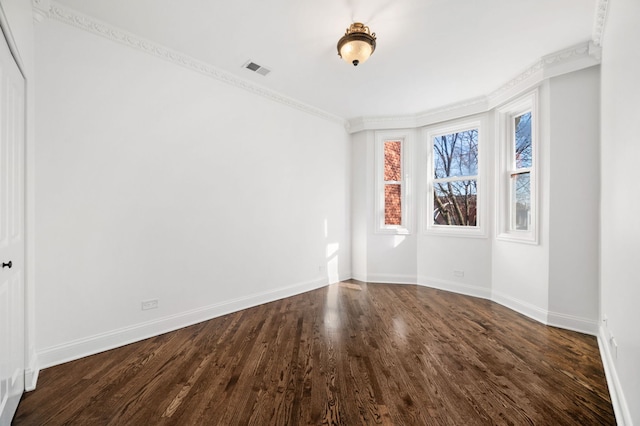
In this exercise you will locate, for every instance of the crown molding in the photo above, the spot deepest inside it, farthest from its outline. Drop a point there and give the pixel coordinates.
(425, 118)
(574, 58)
(389, 122)
(459, 109)
(5, 31)
(599, 22)
(583, 55)
(49, 9)
(568, 60)
(40, 10)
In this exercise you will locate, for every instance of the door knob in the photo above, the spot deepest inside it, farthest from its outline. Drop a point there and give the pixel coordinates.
(7, 265)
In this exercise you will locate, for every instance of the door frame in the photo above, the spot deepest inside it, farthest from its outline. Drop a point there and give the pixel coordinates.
(30, 356)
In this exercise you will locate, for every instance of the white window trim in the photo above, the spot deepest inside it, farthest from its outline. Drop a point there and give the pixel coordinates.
(406, 204)
(505, 167)
(426, 211)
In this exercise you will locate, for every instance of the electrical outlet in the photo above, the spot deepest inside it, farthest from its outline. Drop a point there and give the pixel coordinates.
(322, 269)
(149, 304)
(458, 274)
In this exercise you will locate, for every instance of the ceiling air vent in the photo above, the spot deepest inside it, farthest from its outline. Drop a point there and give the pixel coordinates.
(256, 68)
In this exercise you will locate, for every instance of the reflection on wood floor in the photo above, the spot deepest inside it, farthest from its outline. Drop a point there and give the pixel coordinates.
(347, 354)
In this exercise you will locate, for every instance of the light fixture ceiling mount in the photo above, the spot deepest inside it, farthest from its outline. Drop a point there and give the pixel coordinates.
(357, 44)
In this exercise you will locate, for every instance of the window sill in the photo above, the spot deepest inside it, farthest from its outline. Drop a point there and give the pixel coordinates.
(399, 230)
(459, 232)
(518, 237)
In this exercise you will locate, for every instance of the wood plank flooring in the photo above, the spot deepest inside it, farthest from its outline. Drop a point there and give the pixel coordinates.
(348, 354)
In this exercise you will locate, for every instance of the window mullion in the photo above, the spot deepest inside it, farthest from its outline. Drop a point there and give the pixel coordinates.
(455, 179)
(522, 171)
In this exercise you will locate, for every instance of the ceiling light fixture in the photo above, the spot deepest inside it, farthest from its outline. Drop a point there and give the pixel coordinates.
(357, 44)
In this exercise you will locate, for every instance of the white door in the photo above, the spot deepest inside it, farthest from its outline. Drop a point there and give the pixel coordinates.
(11, 234)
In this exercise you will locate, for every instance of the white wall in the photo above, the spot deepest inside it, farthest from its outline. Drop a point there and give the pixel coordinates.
(378, 257)
(554, 281)
(156, 182)
(361, 201)
(520, 272)
(574, 199)
(439, 256)
(442, 259)
(620, 203)
(392, 258)
(414, 258)
(134, 156)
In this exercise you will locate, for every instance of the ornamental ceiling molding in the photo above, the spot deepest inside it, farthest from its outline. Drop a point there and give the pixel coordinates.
(574, 58)
(49, 9)
(599, 22)
(433, 116)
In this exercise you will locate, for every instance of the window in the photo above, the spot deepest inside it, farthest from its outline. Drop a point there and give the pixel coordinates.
(453, 180)
(391, 177)
(520, 173)
(517, 195)
(393, 183)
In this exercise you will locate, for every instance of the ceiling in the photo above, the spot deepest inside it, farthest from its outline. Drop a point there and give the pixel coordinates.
(430, 53)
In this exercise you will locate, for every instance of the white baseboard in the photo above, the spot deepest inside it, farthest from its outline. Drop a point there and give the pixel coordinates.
(455, 287)
(31, 373)
(91, 345)
(359, 277)
(520, 306)
(342, 276)
(555, 319)
(80, 348)
(573, 323)
(30, 379)
(391, 279)
(620, 407)
(568, 322)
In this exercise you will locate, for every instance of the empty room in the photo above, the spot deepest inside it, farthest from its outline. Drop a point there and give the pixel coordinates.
(345, 212)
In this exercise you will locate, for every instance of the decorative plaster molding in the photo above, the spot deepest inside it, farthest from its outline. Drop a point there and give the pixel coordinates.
(599, 22)
(574, 58)
(571, 53)
(455, 110)
(455, 106)
(41, 9)
(571, 59)
(563, 61)
(381, 123)
(44, 9)
(417, 117)
(436, 115)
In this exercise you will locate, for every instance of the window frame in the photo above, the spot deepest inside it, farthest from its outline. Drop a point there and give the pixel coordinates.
(440, 129)
(505, 123)
(405, 194)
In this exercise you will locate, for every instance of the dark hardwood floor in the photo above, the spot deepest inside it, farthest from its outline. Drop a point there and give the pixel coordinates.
(348, 354)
